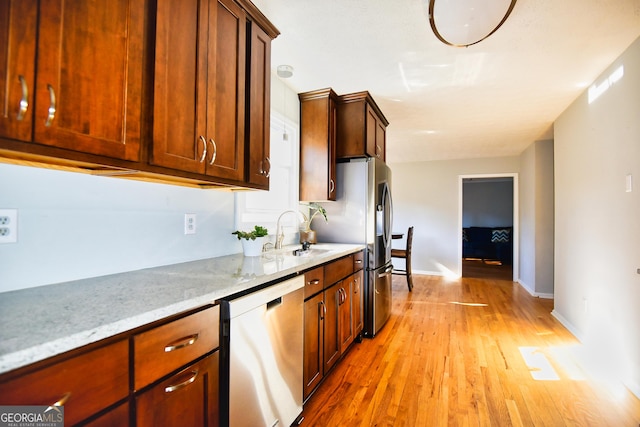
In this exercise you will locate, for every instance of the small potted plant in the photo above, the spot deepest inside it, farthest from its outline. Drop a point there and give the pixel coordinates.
(252, 241)
(306, 233)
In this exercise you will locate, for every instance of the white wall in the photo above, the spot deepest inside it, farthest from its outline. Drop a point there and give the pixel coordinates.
(73, 226)
(425, 195)
(597, 223)
(536, 219)
(487, 203)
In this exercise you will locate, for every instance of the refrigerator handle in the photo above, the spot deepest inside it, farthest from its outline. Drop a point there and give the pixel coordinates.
(388, 219)
(387, 271)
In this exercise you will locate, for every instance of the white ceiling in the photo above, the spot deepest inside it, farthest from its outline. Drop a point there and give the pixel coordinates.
(491, 99)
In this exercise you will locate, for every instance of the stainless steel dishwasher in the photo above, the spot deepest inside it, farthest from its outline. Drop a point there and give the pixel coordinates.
(263, 352)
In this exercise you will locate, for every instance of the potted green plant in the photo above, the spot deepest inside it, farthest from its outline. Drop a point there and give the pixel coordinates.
(306, 233)
(252, 241)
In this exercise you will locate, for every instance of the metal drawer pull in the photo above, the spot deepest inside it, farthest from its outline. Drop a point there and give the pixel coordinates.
(204, 148)
(215, 151)
(314, 282)
(185, 383)
(24, 101)
(65, 397)
(52, 106)
(181, 343)
(358, 261)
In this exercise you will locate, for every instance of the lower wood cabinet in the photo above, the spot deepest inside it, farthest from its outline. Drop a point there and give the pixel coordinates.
(188, 398)
(357, 303)
(163, 375)
(118, 416)
(85, 384)
(332, 317)
(314, 314)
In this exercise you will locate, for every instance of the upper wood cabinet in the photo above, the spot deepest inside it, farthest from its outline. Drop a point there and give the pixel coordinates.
(169, 90)
(318, 117)
(362, 127)
(18, 29)
(259, 118)
(86, 93)
(199, 91)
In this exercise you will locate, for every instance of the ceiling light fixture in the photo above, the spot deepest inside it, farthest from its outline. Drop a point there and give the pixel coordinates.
(463, 23)
(285, 71)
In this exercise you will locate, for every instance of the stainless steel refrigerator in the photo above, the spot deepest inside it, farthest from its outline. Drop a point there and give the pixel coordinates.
(363, 214)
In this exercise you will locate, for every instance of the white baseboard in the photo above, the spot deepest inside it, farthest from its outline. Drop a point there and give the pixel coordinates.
(534, 293)
(633, 386)
(574, 331)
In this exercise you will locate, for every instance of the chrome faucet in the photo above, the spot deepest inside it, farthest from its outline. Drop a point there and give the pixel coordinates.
(279, 232)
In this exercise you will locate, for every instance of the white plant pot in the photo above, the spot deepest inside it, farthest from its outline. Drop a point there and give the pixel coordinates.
(252, 247)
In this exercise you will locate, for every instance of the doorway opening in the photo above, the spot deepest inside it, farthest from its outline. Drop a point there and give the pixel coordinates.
(488, 224)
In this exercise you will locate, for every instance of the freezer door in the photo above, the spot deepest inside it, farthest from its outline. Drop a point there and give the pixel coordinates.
(379, 299)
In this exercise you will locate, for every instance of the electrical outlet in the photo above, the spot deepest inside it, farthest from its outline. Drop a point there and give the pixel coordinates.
(8, 225)
(189, 223)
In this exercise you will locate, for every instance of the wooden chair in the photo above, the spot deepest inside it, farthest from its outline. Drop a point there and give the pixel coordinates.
(406, 255)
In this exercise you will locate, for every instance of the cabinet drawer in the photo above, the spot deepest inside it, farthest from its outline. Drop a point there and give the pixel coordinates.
(313, 281)
(168, 347)
(338, 270)
(90, 382)
(358, 261)
(188, 398)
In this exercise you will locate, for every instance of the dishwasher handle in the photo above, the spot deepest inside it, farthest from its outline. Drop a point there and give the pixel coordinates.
(274, 303)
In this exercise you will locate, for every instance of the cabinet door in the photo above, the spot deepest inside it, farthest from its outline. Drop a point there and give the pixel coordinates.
(18, 20)
(180, 85)
(381, 140)
(189, 398)
(332, 297)
(199, 87)
(226, 58)
(357, 302)
(371, 131)
(318, 129)
(345, 322)
(118, 416)
(314, 314)
(89, 78)
(259, 109)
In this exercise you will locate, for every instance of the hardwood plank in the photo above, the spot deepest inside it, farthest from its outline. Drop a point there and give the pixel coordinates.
(455, 352)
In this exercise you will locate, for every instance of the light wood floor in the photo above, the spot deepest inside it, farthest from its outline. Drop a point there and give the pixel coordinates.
(454, 354)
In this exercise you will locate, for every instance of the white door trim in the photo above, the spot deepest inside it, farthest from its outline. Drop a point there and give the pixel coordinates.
(516, 216)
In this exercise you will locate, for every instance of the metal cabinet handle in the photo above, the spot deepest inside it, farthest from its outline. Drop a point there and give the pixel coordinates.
(332, 186)
(184, 383)
(267, 172)
(61, 402)
(342, 296)
(356, 288)
(323, 312)
(215, 151)
(313, 282)
(24, 101)
(358, 261)
(204, 148)
(52, 106)
(181, 343)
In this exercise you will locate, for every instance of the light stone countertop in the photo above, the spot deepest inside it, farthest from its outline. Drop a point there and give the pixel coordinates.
(37, 323)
